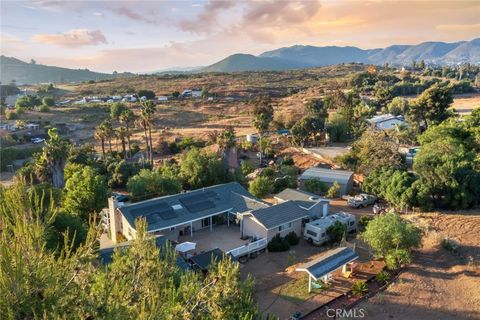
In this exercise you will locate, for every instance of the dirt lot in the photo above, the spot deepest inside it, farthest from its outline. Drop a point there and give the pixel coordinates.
(464, 104)
(438, 284)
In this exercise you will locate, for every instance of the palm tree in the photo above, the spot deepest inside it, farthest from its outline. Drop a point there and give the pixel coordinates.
(55, 153)
(109, 132)
(100, 135)
(121, 133)
(127, 117)
(148, 110)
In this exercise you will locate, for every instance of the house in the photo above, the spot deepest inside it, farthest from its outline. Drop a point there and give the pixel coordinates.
(316, 206)
(8, 126)
(184, 213)
(194, 93)
(32, 126)
(279, 219)
(386, 121)
(329, 176)
(162, 98)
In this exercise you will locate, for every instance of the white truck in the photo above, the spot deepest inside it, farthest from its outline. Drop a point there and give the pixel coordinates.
(316, 231)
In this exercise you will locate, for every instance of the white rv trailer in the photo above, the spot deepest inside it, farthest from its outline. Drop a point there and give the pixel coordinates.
(316, 231)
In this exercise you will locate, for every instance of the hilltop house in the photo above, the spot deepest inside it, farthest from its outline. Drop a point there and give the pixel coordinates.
(316, 207)
(185, 213)
(329, 176)
(386, 121)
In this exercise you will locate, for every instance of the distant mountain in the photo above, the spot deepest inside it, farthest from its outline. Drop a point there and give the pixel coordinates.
(310, 56)
(31, 73)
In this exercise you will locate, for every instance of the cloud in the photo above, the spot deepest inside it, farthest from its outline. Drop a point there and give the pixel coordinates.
(129, 13)
(271, 12)
(72, 38)
(206, 21)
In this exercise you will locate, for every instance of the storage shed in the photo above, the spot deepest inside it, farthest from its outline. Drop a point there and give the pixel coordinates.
(329, 176)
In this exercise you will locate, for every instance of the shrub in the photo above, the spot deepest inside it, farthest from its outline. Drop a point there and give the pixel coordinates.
(363, 222)
(288, 170)
(396, 258)
(450, 244)
(334, 190)
(44, 108)
(282, 183)
(278, 244)
(11, 115)
(292, 238)
(287, 161)
(383, 276)
(359, 288)
(247, 167)
(48, 101)
(261, 187)
(268, 172)
(336, 231)
(315, 186)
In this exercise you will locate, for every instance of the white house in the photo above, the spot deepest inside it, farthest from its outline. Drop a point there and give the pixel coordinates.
(162, 98)
(386, 121)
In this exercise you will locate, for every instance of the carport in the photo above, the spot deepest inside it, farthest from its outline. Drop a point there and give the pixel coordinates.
(323, 266)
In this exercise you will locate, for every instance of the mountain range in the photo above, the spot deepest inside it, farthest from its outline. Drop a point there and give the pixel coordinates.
(299, 56)
(294, 57)
(12, 69)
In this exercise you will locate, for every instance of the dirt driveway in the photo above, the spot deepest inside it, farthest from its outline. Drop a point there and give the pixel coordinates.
(438, 284)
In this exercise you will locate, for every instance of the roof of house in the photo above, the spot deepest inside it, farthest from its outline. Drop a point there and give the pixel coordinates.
(302, 198)
(168, 211)
(328, 262)
(279, 214)
(384, 117)
(204, 260)
(327, 175)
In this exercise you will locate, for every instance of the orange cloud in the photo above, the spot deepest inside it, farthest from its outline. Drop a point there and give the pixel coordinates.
(72, 38)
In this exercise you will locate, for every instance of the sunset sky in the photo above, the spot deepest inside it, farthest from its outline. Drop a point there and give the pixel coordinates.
(142, 36)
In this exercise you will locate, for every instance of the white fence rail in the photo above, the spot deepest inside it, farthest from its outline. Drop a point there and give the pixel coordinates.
(249, 248)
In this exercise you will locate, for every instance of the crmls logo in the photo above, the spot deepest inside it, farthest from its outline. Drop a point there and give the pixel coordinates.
(348, 314)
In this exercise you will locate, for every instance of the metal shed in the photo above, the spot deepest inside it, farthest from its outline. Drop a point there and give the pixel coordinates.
(329, 176)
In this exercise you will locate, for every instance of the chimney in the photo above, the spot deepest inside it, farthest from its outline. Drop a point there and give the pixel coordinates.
(113, 218)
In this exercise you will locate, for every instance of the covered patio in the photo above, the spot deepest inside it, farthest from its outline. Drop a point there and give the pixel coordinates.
(223, 237)
(322, 267)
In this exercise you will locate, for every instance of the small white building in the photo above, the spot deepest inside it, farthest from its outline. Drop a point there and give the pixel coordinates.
(386, 121)
(162, 98)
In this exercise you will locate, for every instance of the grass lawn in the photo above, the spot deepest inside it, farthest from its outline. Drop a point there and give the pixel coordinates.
(296, 290)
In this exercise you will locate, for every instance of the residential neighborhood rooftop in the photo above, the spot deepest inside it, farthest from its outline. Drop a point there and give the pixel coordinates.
(279, 214)
(302, 198)
(384, 117)
(172, 210)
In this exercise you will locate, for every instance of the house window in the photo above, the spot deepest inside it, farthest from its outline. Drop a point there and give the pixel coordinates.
(172, 228)
(285, 226)
(311, 233)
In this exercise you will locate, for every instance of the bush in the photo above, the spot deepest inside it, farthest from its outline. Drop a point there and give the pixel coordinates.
(315, 186)
(48, 101)
(292, 238)
(450, 244)
(334, 190)
(278, 244)
(383, 276)
(396, 258)
(363, 222)
(268, 172)
(247, 167)
(359, 288)
(44, 108)
(288, 170)
(336, 231)
(261, 187)
(287, 161)
(11, 115)
(282, 183)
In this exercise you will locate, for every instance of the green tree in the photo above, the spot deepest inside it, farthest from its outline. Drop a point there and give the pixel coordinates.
(116, 109)
(48, 101)
(307, 128)
(431, 107)
(149, 184)
(127, 118)
(262, 116)
(337, 129)
(315, 186)
(55, 153)
(261, 186)
(334, 190)
(86, 192)
(146, 120)
(336, 232)
(398, 106)
(149, 94)
(391, 232)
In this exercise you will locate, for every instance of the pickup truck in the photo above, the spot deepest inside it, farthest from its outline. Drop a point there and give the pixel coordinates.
(361, 200)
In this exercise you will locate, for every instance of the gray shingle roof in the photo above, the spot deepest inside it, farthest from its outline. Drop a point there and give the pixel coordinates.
(275, 216)
(300, 197)
(329, 262)
(327, 175)
(168, 211)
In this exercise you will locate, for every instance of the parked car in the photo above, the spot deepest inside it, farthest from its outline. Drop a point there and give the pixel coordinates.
(362, 200)
(37, 140)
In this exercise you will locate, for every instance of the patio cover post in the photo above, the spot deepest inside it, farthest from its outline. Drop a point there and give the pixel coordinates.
(344, 268)
(191, 229)
(228, 218)
(210, 223)
(309, 283)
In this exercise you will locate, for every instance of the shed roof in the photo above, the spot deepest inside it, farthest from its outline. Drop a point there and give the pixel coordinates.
(275, 216)
(384, 117)
(165, 212)
(302, 198)
(329, 262)
(327, 175)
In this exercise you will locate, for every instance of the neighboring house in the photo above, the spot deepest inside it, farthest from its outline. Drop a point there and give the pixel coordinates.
(11, 100)
(386, 121)
(316, 207)
(8, 126)
(162, 98)
(184, 213)
(194, 93)
(32, 126)
(267, 222)
(329, 176)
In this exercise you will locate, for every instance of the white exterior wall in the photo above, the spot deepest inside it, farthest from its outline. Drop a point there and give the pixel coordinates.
(252, 228)
(296, 227)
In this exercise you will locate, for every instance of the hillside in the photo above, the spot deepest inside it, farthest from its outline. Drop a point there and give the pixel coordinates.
(29, 73)
(310, 56)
